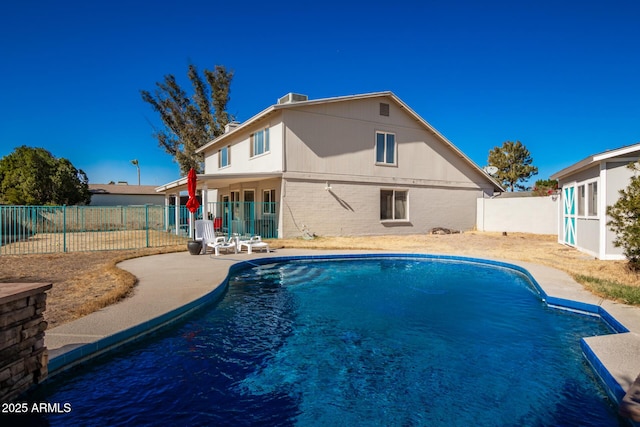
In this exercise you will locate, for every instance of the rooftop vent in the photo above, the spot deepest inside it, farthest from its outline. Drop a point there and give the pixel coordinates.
(231, 126)
(292, 97)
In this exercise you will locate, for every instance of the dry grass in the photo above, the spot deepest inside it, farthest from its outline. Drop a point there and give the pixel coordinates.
(84, 282)
(91, 241)
(87, 281)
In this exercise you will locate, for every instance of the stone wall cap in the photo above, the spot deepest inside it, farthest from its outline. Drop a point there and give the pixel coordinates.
(14, 291)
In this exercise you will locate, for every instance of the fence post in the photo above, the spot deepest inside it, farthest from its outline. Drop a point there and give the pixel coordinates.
(146, 222)
(64, 228)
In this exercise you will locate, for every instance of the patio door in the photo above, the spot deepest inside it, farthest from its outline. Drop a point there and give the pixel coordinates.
(249, 212)
(569, 215)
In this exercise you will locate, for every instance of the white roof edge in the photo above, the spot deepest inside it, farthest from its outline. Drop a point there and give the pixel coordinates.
(205, 177)
(588, 161)
(177, 183)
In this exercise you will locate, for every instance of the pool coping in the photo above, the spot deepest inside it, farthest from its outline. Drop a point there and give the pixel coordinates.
(171, 286)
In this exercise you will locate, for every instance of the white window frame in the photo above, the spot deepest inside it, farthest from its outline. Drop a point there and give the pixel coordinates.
(586, 201)
(228, 151)
(581, 200)
(385, 151)
(268, 202)
(253, 143)
(592, 197)
(394, 191)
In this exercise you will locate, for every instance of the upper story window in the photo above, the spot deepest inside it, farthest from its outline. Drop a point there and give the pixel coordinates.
(385, 148)
(224, 157)
(259, 142)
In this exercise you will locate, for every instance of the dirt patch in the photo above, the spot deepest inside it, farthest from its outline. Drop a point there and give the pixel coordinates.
(84, 282)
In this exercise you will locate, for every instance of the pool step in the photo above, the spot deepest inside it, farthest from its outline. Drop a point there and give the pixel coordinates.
(615, 360)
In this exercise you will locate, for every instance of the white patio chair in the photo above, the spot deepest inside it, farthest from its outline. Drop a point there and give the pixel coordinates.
(200, 225)
(254, 243)
(205, 234)
(224, 243)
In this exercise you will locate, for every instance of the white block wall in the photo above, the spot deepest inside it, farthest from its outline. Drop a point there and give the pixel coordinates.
(537, 215)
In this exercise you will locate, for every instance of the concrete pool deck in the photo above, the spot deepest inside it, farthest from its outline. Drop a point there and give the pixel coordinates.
(174, 284)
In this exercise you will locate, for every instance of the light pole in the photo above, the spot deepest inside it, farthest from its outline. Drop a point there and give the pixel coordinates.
(135, 163)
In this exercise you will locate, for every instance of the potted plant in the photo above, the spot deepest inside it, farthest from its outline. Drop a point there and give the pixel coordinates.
(194, 247)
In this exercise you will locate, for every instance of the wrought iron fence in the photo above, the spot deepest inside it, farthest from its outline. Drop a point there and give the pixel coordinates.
(50, 229)
(245, 218)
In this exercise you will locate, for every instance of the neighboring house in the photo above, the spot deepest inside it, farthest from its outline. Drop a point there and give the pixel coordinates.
(122, 194)
(588, 187)
(352, 165)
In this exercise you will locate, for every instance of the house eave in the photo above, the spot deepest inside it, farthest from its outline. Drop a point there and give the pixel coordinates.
(595, 159)
(218, 180)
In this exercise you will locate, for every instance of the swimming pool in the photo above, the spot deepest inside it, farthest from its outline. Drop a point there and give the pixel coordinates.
(382, 341)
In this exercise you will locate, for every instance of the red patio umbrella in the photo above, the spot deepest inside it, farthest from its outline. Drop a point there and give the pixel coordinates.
(192, 204)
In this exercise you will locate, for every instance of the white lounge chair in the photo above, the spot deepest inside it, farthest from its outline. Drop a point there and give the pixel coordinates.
(205, 232)
(254, 243)
(222, 242)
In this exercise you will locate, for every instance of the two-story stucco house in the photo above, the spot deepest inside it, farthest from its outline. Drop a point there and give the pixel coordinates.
(351, 165)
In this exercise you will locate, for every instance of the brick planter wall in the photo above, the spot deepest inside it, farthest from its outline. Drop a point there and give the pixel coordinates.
(23, 356)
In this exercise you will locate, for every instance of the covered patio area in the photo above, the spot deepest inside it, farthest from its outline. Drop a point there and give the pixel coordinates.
(242, 204)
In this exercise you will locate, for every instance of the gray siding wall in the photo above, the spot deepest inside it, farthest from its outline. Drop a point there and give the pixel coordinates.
(590, 173)
(354, 209)
(618, 177)
(587, 235)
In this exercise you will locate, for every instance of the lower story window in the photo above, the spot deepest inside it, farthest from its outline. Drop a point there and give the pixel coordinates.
(393, 204)
(269, 199)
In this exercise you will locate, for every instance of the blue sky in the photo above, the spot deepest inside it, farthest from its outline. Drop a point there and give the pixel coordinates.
(562, 77)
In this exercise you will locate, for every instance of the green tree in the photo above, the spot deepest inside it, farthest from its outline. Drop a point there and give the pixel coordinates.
(33, 176)
(513, 161)
(545, 187)
(191, 121)
(625, 219)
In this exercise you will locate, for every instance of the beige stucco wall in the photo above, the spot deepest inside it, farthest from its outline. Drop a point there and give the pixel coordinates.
(339, 138)
(126, 199)
(354, 209)
(241, 161)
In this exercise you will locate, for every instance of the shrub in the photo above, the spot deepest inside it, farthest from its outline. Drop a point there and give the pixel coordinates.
(625, 214)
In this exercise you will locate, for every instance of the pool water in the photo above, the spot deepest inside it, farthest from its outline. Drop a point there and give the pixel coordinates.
(385, 341)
